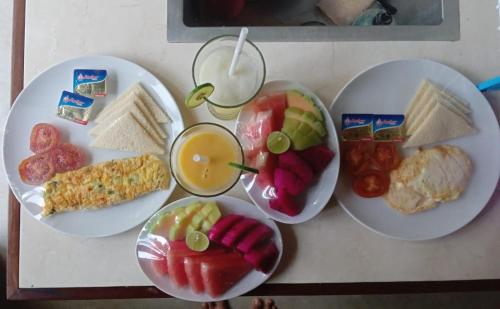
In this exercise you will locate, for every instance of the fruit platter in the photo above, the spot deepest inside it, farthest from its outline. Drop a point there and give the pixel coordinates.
(208, 249)
(287, 134)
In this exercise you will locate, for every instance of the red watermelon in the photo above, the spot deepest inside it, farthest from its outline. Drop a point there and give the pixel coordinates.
(254, 133)
(276, 103)
(175, 261)
(266, 163)
(192, 266)
(221, 273)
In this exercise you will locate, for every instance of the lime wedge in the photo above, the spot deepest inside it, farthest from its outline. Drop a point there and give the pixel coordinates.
(197, 241)
(278, 142)
(244, 168)
(197, 95)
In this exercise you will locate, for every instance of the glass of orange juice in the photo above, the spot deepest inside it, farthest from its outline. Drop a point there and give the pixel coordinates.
(200, 158)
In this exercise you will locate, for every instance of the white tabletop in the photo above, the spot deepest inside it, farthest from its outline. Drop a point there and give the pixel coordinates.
(330, 248)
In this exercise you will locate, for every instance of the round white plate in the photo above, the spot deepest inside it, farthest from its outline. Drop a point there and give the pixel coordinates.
(227, 205)
(387, 89)
(38, 103)
(318, 195)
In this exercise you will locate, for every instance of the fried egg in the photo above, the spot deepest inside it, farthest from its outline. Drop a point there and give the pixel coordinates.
(430, 176)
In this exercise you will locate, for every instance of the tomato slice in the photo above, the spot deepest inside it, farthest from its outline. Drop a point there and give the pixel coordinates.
(356, 156)
(371, 184)
(44, 137)
(386, 156)
(36, 169)
(67, 157)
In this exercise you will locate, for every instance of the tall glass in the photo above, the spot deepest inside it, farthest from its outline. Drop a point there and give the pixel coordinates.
(211, 65)
(200, 158)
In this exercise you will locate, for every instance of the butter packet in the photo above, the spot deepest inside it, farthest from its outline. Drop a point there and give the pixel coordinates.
(90, 83)
(357, 127)
(388, 128)
(75, 107)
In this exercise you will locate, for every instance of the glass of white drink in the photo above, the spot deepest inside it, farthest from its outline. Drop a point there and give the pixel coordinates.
(211, 65)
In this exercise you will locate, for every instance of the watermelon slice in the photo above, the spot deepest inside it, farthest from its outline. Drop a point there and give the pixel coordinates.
(220, 228)
(192, 266)
(276, 103)
(254, 133)
(160, 265)
(220, 273)
(266, 162)
(175, 261)
(264, 257)
(238, 231)
(318, 157)
(255, 237)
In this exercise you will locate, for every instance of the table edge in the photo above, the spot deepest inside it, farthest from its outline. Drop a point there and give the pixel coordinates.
(14, 292)
(270, 289)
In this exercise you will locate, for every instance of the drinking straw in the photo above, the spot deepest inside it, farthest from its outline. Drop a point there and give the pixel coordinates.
(200, 159)
(237, 50)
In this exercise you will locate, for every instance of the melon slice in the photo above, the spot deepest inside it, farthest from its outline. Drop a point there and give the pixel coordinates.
(297, 99)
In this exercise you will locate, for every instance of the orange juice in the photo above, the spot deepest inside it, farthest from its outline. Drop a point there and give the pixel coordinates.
(201, 160)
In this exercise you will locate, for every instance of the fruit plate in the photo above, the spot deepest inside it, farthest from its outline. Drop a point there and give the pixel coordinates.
(318, 195)
(227, 205)
(38, 103)
(386, 89)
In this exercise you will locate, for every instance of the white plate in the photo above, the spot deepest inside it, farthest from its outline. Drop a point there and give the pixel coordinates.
(227, 205)
(319, 194)
(38, 103)
(388, 88)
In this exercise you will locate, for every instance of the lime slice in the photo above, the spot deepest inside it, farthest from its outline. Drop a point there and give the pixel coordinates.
(197, 95)
(197, 241)
(244, 168)
(278, 142)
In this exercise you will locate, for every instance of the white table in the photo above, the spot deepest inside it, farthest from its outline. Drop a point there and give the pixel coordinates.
(331, 248)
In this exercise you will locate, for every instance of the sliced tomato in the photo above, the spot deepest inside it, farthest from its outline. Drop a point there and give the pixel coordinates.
(67, 157)
(44, 137)
(371, 183)
(36, 169)
(356, 156)
(386, 156)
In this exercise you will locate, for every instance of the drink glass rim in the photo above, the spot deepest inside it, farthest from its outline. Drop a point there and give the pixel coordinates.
(247, 41)
(231, 134)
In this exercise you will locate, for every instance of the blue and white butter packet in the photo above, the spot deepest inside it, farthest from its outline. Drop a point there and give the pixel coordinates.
(90, 83)
(75, 107)
(388, 128)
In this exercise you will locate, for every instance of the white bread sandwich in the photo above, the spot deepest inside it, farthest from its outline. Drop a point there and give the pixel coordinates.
(127, 134)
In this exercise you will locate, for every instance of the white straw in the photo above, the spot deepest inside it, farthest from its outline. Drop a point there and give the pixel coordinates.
(237, 50)
(200, 159)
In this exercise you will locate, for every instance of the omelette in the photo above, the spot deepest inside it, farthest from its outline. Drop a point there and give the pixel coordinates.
(104, 184)
(430, 176)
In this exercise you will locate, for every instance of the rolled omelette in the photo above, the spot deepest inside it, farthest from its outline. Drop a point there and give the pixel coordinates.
(104, 184)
